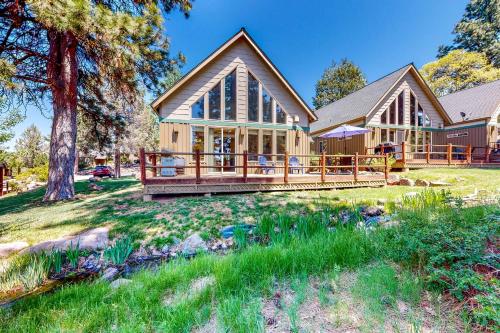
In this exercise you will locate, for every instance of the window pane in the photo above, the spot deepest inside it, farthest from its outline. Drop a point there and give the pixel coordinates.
(401, 108)
(230, 97)
(198, 139)
(420, 142)
(392, 135)
(280, 144)
(253, 98)
(383, 117)
(267, 144)
(420, 116)
(280, 115)
(428, 138)
(412, 110)
(392, 113)
(427, 120)
(197, 109)
(214, 102)
(383, 135)
(267, 107)
(253, 145)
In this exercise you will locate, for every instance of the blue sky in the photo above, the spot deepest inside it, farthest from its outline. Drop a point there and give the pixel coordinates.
(303, 37)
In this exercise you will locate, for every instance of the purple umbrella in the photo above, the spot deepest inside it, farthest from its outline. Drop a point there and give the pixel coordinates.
(344, 131)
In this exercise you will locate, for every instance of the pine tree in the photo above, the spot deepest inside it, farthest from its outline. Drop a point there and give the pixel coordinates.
(337, 81)
(70, 51)
(478, 30)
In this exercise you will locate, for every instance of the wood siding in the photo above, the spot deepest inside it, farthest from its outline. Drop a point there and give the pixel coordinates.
(476, 136)
(407, 83)
(243, 58)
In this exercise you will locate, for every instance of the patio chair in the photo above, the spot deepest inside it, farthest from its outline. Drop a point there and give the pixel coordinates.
(294, 164)
(264, 166)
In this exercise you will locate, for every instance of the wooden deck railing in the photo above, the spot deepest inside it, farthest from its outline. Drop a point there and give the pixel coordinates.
(198, 165)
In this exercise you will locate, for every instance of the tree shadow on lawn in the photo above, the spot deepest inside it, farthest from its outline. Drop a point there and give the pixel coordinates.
(90, 207)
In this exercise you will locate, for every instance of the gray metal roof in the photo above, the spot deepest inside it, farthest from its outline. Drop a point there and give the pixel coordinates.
(356, 105)
(477, 103)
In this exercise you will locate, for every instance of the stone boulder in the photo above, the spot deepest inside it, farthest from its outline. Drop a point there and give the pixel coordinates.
(109, 274)
(119, 282)
(406, 182)
(93, 239)
(193, 244)
(372, 211)
(393, 179)
(7, 249)
(422, 182)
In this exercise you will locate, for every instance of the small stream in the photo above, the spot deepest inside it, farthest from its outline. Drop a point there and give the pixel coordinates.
(56, 281)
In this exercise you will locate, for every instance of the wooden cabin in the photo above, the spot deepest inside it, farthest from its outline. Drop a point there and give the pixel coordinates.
(475, 113)
(235, 100)
(398, 107)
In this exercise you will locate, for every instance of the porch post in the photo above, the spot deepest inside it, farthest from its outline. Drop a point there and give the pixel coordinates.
(488, 152)
(428, 153)
(403, 153)
(356, 161)
(285, 171)
(323, 166)
(469, 153)
(153, 161)
(245, 166)
(449, 153)
(142, 159)
(198, 166)
(386, 167)
(1, 181)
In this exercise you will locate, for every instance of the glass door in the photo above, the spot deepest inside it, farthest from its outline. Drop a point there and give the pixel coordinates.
(221, 143)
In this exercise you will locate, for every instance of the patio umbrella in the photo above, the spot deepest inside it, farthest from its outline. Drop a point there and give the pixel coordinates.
(344, 131)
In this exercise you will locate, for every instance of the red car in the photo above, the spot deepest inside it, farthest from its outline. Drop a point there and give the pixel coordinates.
(103, 171)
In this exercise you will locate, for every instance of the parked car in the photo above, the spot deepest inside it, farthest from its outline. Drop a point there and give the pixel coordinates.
(103, 171)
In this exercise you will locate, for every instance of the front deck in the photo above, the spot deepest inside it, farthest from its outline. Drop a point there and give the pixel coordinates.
(407, 156)
(312, 172)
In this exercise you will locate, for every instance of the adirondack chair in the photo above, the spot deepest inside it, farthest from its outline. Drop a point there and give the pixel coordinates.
(294, 164)
(265, 167)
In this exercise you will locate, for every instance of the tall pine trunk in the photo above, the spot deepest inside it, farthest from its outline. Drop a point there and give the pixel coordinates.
(62, 72)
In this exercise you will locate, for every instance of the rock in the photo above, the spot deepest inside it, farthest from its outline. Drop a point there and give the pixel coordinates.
(109, 274)
(381, 202)
(439, 183)
(228, 231)
(406, 182)
(193, 244)
(165, 249)
(119, 282)
(372, 211)
(6, 249)
(393, 179)
(91, 264)
(422, 182)
(93, 239)
(156, 253)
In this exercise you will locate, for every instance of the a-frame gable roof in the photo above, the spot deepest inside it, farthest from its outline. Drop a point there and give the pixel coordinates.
(241, 34)
(359, 104)
(476, 103)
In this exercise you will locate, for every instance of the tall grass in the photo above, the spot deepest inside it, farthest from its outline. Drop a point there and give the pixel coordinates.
(251, 271)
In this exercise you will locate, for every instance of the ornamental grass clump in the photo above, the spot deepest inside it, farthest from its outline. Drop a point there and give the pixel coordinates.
(73, 253)
(119, 253)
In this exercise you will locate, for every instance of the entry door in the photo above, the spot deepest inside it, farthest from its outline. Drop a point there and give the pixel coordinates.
(222, 142)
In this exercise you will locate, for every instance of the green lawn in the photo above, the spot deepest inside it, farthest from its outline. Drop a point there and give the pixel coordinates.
(299, 273)
(24, 217)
